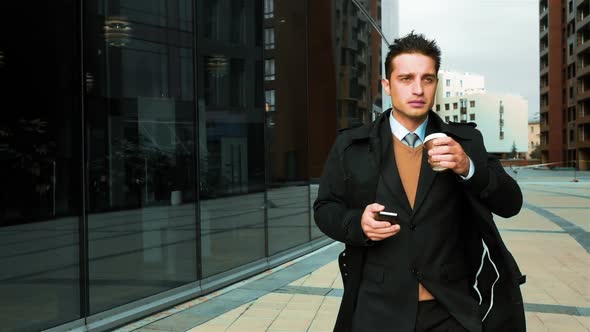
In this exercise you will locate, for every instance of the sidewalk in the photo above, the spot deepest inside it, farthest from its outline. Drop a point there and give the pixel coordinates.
(549, 239)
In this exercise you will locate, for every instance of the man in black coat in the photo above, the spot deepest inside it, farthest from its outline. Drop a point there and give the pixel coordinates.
(441, 265)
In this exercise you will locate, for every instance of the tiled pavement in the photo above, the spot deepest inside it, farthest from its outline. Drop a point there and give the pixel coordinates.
(549, 239)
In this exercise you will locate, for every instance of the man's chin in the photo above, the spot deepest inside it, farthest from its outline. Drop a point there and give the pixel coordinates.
(418, 114)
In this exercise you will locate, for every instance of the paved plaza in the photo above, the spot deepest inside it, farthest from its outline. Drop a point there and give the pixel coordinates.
(549, 239)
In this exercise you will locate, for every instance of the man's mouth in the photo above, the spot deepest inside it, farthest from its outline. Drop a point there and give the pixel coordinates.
(417, 103)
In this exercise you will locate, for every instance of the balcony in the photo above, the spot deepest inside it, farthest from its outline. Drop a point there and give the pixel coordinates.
(543, 51)
(583, 119)
(583, 144)
(543, 31)
(545, 127)
(582, 20)
(582, 70)
(583, 46)
(544, 89)
(543, 12)
(580, 96)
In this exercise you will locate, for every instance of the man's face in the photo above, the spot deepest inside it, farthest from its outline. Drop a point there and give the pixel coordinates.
(412, 86)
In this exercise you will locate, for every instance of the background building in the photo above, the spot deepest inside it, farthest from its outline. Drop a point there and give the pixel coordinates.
(534, 133)
(390, 32)
(565, 82)
(454, 84)
(501, 118)
(157, 151)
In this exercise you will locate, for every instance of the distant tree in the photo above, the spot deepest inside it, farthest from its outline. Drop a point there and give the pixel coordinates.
(536, 154)
(513, 152)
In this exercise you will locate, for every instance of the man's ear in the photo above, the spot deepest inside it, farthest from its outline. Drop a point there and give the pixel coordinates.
(385, 85)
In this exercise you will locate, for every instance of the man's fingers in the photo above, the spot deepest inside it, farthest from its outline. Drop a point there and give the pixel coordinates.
(375, 207)
(442, 141)
(386, 228)
(376, 224)
(382, 236)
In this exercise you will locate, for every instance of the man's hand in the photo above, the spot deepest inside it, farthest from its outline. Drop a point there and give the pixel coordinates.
(448, 153)
(374, 229)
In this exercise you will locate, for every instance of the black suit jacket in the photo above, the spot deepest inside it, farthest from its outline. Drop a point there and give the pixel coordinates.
(359, 170)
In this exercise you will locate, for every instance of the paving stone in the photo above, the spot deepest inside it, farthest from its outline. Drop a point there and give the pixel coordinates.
(549, 239)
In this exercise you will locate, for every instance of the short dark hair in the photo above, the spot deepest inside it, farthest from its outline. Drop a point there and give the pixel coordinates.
(412, 43)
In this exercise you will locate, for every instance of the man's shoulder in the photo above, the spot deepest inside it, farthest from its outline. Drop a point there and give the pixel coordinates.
(464, 128)
(352, 135)
(356, 131)
(353, 127)
(463, 124)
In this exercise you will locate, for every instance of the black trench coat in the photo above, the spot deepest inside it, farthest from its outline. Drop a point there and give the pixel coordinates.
(348, 184)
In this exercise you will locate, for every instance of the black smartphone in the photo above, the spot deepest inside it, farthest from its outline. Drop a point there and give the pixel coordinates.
(390, 217)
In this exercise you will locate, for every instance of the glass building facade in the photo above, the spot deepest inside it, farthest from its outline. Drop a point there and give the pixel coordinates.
(154, 151)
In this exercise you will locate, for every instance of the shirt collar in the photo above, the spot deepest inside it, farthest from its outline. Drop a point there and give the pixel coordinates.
(400, 131)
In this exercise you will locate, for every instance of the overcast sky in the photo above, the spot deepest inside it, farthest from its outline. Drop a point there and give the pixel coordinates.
(496, 39)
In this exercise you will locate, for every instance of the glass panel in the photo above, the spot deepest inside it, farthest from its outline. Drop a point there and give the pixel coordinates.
(40, 166)
(313, 194)
(140, 119)
(343, 83)
(233, 26)
(231, 137)
(358, 67)
(287, 128)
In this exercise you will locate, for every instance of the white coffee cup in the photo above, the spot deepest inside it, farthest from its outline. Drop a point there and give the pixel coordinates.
(428, 143)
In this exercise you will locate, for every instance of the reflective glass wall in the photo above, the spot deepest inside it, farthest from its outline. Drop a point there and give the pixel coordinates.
(40, 165)
(140, 133)
(150, 147)
(231, 134)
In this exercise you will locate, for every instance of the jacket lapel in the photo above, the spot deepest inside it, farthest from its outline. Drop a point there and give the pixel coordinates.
(427, 175)
(389, 173)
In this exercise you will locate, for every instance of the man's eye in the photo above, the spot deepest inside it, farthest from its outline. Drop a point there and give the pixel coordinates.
(405, 79)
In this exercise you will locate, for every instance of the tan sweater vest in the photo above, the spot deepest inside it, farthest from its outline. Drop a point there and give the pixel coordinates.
(408, 161)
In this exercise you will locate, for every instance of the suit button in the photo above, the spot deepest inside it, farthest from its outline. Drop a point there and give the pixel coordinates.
(412, 227)
(343, 254)
(413, 271)
(344, 265)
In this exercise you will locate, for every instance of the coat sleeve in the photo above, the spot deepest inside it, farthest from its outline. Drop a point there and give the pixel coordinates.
(332, 213)
(490, 182)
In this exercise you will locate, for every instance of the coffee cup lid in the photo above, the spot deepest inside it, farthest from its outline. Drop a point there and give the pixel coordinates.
(433, 136)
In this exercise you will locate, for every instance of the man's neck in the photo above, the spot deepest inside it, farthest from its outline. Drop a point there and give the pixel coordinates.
(409, 123)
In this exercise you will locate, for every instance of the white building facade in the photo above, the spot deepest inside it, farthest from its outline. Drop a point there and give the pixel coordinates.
(454, 84)
(501, 118)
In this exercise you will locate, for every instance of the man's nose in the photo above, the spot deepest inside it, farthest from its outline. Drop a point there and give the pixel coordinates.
(417, 88)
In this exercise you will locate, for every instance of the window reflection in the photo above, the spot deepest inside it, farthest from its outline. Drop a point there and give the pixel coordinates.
(232, 28)
(287, 121)
(231, 136)
(140, 119)
(258, 90)
(358, 47)
(40, 169)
